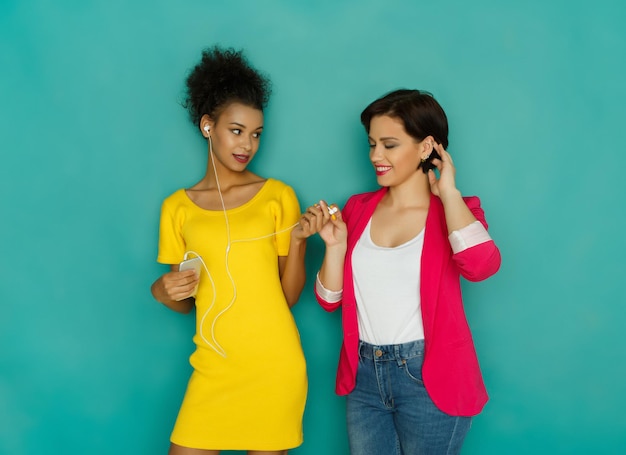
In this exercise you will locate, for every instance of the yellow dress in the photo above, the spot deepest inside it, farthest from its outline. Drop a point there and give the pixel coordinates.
(248, 388)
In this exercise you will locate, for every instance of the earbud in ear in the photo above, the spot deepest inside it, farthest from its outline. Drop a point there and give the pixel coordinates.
(207, 128)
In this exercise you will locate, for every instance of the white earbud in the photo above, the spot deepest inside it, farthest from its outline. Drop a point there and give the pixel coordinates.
(207, 128)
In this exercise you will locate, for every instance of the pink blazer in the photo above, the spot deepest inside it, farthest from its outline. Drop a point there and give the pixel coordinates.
(450, 371)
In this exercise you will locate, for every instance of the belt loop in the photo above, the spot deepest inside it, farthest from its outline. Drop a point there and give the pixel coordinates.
(396, 354)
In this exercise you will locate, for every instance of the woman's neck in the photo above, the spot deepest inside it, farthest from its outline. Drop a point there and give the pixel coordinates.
(225, 178)
(410, 193)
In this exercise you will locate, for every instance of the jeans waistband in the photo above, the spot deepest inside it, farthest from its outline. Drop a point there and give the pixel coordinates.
(392, 351)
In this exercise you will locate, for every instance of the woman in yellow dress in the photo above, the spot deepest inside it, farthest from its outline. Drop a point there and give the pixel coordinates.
(248, 388)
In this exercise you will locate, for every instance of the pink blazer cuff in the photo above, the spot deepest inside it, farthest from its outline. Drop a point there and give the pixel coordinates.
(471, 235)
(326, 294)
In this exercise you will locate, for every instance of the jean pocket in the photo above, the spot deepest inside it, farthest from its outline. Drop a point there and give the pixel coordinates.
(413, 369)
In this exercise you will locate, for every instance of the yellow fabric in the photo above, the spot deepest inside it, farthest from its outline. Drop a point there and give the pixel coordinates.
(254, 397)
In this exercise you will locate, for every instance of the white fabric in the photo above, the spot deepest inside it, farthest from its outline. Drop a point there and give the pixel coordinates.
(471, 235)
(327, 294)
(387, 290)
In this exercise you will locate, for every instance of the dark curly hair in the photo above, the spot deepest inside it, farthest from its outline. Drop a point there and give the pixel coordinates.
(222, 77)
(419, 111)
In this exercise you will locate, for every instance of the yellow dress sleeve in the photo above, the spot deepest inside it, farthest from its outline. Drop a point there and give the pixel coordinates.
(287, 216)
(171, 243)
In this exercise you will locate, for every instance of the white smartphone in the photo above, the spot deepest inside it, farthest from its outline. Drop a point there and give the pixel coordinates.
(192, 264)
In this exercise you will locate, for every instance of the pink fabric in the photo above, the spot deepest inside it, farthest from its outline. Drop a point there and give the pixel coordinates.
(450, 371)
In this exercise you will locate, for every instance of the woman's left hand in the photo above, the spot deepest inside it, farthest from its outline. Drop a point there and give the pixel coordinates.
(310, 222)
(446, 183)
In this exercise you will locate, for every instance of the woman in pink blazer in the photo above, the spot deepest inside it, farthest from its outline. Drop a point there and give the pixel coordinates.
(393, 263)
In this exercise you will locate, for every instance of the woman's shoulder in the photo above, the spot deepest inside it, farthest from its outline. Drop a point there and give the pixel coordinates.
(364, 198)
(178, 202)
(176, 198)
(277, 188)
(275, 183)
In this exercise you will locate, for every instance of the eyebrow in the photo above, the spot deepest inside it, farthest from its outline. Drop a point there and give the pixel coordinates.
(390, 138)
(243, 126)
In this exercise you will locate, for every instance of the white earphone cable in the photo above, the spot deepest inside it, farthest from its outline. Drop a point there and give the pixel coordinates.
(215, 345)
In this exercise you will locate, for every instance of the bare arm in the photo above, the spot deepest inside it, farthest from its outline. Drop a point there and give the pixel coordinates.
(292, 271)
(458, 215)
(172, 288)
(291, 267)
(334, 233)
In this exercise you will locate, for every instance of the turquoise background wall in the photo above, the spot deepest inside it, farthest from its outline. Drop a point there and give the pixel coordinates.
(92, 138)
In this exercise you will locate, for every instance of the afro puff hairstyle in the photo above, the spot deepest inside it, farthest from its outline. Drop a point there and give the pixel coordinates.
(222, 77)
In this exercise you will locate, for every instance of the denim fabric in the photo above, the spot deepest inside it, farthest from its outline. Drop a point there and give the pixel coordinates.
(390, 413)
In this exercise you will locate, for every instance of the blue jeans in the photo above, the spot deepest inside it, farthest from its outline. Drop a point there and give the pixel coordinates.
(390, 413)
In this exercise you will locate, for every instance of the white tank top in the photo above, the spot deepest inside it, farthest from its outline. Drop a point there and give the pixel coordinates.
(387, 290)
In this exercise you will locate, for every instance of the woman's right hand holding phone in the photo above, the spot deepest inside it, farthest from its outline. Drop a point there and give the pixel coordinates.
(173, 287)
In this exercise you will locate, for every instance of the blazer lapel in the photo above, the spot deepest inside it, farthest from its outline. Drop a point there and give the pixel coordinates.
(432, 262)
(361, 216)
